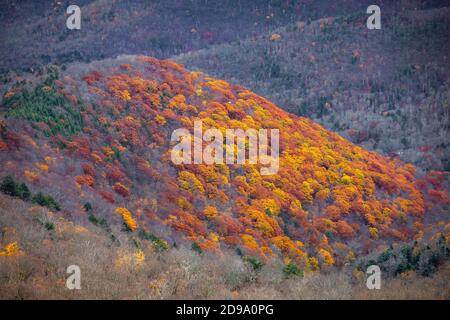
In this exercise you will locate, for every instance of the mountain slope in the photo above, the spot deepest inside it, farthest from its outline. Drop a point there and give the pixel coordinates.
(40, 245)
(386, 90)
(97, 138)
(33, 35)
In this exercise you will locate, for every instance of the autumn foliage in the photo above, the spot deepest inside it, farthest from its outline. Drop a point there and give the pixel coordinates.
(327, 191)
(127, 218)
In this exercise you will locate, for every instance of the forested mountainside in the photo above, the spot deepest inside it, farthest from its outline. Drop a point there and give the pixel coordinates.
(386, 90)
(210, 149)
(32, 35)
(93, 144)
(38, 244)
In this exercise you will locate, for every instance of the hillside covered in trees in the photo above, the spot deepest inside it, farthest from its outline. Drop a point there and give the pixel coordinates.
(39, 244)
(32, 35)
(93, 144)
(386, 90)
(92, 120)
